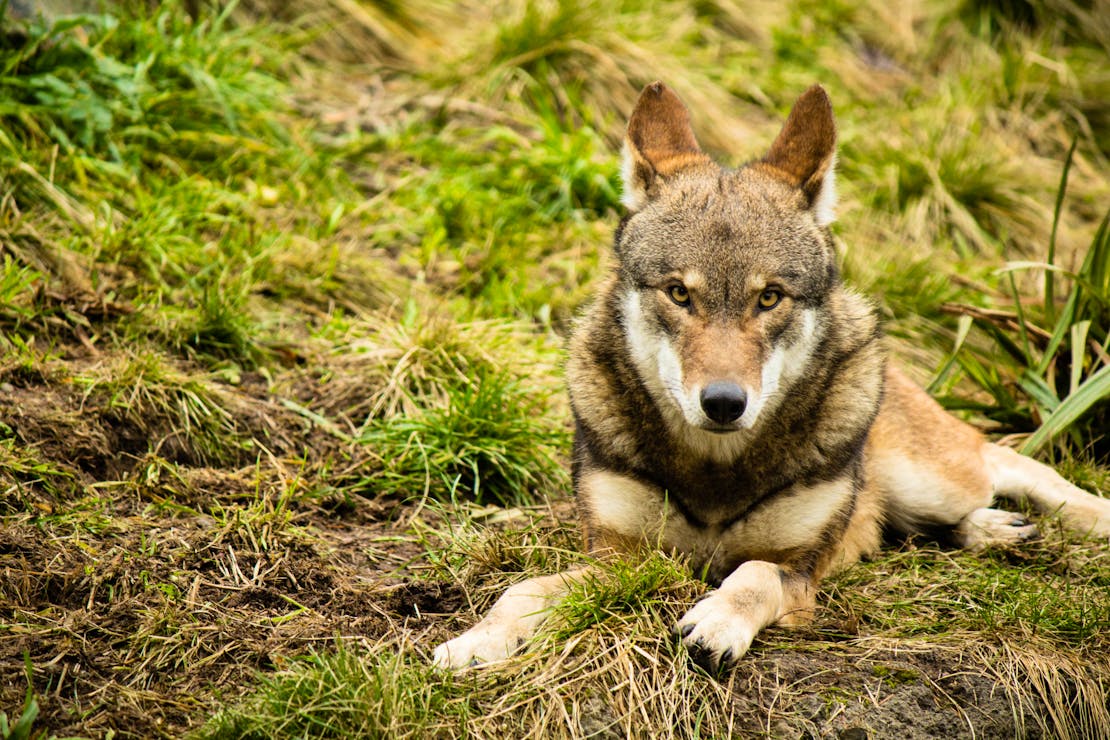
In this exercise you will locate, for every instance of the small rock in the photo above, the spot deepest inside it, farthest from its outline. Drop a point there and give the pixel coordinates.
(853, 733)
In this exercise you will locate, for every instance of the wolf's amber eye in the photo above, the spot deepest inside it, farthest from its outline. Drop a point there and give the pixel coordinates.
(768, 299)
(679, 295)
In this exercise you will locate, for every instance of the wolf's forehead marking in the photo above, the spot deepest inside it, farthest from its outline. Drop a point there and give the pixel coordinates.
(722, 232)
(694, 280)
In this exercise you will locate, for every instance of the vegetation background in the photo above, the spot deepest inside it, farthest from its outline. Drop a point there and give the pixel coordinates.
(283, 292)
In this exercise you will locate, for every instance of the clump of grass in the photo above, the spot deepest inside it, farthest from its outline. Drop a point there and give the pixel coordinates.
(267, 516)
(1055, 374)
(443, 409)
(347, 693)
(1075, 703)
(170, 412)
(491, 442)
(621, 589)
(411, 362)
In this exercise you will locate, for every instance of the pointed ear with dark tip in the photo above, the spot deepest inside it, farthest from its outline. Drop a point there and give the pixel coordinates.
(660, 142)
(805, 152)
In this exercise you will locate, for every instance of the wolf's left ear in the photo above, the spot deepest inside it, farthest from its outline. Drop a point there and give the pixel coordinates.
(660, 142)
(805, 152)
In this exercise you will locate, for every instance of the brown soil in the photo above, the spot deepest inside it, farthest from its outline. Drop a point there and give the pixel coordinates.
(883, 694)
(135, 583)
(92, 615)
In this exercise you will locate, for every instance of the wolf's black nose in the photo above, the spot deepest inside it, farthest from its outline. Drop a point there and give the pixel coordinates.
(723, 402)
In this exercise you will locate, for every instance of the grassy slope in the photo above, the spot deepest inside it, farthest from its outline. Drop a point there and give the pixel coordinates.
(281, 337)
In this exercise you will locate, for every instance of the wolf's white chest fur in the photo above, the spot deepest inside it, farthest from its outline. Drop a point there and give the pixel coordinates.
(641, 512)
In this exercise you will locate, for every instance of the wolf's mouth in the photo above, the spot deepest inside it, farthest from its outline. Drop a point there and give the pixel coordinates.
(721, 429)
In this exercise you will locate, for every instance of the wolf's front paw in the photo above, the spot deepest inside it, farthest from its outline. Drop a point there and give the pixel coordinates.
(478, 645)
(716, 633)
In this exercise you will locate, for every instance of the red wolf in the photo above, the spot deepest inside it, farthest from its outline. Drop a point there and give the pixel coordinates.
(733, 402)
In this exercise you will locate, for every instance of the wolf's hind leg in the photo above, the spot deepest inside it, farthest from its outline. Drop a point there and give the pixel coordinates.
(1020, 478)
(511, 622)
(992, 527)
(935, 472)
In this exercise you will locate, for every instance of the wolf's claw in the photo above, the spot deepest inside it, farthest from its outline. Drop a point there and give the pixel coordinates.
(705, 658)
(702, 657)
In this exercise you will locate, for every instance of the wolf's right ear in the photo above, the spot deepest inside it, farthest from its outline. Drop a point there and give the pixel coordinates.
(660, 142)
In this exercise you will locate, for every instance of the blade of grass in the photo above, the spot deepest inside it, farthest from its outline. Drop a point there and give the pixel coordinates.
(1049, 288)
(963, 326)
(1022, 331)
(1091, 392)
(1078, 352)
(1040, 391)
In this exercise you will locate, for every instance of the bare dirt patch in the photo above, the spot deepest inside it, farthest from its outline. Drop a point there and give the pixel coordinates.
(145, 586)
(140, 630)
(857, 692)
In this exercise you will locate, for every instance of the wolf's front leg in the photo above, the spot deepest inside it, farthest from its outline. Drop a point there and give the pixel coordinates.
(720, 628)
(510, 623)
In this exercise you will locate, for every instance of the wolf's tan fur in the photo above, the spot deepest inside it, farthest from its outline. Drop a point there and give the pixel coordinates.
(726, 282)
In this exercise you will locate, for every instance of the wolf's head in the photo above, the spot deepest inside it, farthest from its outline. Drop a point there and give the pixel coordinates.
(724, 273)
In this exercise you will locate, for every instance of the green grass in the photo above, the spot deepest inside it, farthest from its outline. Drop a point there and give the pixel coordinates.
(347, 693)
(1056, 355)
(392, 692)
(145, 154)
(283, 292)
(169, 410)
(484, 445)
(621, 591)
(609, 639)
(928, 592)
(474, 207)
(30, 482)
(21, 728)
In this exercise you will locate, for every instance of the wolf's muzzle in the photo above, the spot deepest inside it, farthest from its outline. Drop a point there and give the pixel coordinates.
(723, 402)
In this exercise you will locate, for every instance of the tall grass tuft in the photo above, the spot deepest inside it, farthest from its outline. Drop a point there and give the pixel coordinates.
(620, 590)
(1050, 371)
(168, 410)
(489, 443)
